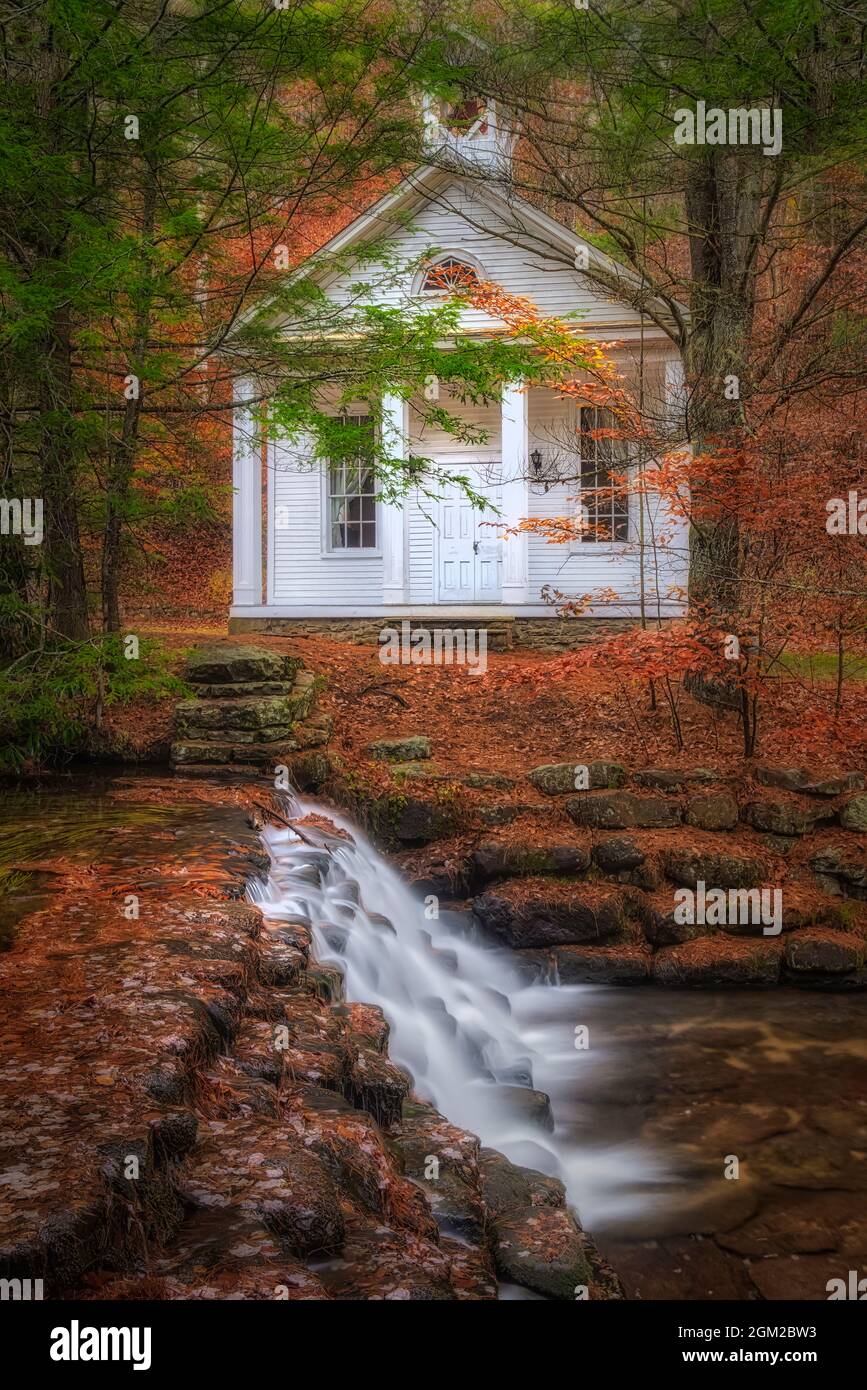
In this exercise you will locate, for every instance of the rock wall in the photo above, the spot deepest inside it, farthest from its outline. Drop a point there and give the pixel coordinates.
(547, 634)
(677, 876)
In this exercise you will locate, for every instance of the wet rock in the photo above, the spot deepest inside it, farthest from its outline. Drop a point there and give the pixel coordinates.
(238, 661)
(662, 927)
(541, 1248)
(800, 779)
(534, 1107)
(825, 1221)
(853, 814)
(532, 914)
(400, 750)
(605, 965)
(617, 854)
(174, 1135)
(811, 1161)
(224, 1253)
(325, 981)
(679, 1268)
(673, 779)
(785, 817)
(413, 820)
(557, 779)
(505, 813)
(243, 1165)
(798, 1277)
(309, 772)
(381, 1264)
(623, 811)
(714, 963)
(379, 1087)
(842, 861)
(717, 811)
(503, 860)
(689, 866)
(821, 957)
(507, 1188)
(325, 1064)
(280, 964)
(367, 1026)
(472, 1270)
(257, 1052)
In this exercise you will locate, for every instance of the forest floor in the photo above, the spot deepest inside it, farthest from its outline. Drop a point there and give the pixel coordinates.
(530, 707)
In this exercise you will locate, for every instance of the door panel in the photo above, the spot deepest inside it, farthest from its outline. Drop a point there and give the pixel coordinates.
(469, 551)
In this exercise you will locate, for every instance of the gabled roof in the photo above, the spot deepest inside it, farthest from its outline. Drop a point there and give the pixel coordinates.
(534, 231)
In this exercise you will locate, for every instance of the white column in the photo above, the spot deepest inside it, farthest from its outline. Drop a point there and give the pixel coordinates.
(675, 397)
(515, 447)
(674, 562)
(246, 502)
(391, 514)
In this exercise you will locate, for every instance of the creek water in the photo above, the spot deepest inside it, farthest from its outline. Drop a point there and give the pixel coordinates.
(480, 1039)
(673, 1082)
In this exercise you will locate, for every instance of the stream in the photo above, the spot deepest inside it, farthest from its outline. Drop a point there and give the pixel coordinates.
(664, 1088)
(475, 1034)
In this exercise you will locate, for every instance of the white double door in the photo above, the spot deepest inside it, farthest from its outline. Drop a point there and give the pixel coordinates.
(470, 560)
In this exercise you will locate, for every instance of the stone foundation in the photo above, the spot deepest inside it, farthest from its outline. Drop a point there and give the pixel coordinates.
(546, 634)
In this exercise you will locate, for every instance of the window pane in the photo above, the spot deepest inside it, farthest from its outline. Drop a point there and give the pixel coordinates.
(351, 489)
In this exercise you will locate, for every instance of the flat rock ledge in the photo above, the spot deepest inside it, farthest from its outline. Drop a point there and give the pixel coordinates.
(239, 1130)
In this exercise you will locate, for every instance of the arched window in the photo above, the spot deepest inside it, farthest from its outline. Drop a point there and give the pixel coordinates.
(448, 275)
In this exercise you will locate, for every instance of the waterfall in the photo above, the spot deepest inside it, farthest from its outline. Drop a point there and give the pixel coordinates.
(466, 1020)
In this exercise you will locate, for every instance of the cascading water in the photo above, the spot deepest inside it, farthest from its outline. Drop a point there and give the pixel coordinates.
(464, 1020)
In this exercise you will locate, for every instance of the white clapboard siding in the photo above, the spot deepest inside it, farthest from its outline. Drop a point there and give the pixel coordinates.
(459, 221)
(301, 572)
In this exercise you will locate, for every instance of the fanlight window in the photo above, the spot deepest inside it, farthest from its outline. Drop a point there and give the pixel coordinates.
(448, 276)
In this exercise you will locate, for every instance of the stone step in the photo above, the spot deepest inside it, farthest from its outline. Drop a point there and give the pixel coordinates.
(233, 662)
(254, 714)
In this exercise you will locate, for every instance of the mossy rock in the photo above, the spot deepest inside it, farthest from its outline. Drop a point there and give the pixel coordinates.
(410, 748)
(558, 779)
(238, 661)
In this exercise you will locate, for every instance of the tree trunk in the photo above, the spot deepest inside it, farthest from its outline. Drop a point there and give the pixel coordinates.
(723, 205)
(122, 458)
